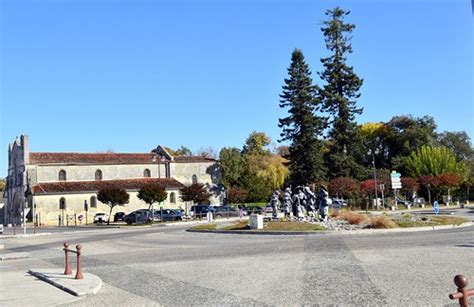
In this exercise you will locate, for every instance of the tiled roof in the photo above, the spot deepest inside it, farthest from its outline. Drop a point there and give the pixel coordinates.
(191, 159)
(104, 158)
(93, 186)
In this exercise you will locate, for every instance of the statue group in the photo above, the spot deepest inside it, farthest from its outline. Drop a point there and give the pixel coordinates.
(302, 203)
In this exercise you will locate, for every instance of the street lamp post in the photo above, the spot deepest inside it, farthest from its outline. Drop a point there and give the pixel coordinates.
(157, 160)
(372, 152)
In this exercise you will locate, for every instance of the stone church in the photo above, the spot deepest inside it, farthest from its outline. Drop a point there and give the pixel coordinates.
(54, 186)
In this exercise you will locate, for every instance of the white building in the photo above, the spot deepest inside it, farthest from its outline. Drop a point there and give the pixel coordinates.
(59, 183)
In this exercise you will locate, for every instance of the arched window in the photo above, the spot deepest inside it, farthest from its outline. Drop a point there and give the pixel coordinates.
(62, 175)
(98, 174)
(195, 179)
(62, 203)
(172, 198)
(93, 202)
(146, 173)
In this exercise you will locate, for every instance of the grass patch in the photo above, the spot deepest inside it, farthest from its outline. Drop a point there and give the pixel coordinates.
(292, 226)
(429, 221)
(205, 227)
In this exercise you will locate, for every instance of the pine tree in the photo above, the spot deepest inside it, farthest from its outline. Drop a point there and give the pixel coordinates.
(339, 96)
(303, 126)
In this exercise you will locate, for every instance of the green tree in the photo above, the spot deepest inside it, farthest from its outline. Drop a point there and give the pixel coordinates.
(405, 134)
(232, 166)
(302, 126)
(339, 96)
(429, 160)
(151, 194)
(113, 197)
(183, 151)
(459, 143)
(197, 193)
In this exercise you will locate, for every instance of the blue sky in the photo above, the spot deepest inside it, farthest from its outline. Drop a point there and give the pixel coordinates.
(88, 76)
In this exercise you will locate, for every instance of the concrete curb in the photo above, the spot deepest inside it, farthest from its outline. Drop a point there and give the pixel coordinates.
(13, 256)
(28, 235)
(89, 285)
(336, 232)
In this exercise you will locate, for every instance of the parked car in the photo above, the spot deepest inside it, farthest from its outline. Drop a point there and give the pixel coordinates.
(119, 216)
(100, 217)
(225, 211)
(138, 216)
(168, 215)
(1, 228)
(200, 211)
(338, 203)
(403, 202)
(253, 209)
(419, 201)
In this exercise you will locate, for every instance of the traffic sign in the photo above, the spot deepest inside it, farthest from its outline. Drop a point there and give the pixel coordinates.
(395, 180)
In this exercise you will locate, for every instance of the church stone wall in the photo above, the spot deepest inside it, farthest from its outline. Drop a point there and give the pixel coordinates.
(47, 206)
(50, 173)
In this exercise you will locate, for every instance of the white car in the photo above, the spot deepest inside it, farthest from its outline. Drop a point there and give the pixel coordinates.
(101, 217)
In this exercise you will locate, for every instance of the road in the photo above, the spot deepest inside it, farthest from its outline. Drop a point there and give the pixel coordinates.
(171, 267)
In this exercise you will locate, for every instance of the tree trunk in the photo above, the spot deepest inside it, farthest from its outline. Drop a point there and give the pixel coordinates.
(110, 214)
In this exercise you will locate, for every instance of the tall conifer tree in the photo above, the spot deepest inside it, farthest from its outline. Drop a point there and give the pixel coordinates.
(339, 96)
(302, 126)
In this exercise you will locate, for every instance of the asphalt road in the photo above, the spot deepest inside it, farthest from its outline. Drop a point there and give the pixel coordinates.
(168, 266)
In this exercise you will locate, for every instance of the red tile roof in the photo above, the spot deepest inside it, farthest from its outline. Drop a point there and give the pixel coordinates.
(104, 158)
(93, 186)
(191, 159)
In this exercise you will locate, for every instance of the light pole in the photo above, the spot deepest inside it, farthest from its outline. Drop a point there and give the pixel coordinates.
(373, 152)
(157, 160)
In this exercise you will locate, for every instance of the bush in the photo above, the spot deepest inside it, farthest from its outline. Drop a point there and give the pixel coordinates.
(352, 218)
(381, 222)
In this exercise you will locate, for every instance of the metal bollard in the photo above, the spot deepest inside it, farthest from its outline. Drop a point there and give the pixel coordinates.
(67, 270)
(79, 270)
(463, 293)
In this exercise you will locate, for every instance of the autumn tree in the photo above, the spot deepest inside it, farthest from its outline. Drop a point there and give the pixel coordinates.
(196, 193)
(236, 195)
(113, 197)
(342, 187)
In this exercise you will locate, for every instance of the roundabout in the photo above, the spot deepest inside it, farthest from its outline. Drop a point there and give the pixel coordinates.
(173, 267)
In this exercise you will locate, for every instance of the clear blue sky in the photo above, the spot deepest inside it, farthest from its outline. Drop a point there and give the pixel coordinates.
(91, 75)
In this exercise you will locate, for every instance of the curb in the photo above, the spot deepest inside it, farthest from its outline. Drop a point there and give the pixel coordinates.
(336, 232)
(28, 235)
(13, 256)
(91, 283)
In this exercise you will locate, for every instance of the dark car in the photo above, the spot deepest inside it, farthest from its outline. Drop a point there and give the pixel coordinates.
(119, 216)
(166, 215)
(253, 210)
(200, 211)
(403, 202)
(138, 216)
(225, 211)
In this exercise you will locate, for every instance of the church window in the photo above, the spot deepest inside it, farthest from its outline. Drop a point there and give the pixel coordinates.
(93, 202)
(147, 173)
(195, 179)
(172, 198)
(98, 174)
(62, 175)
(62, 203)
